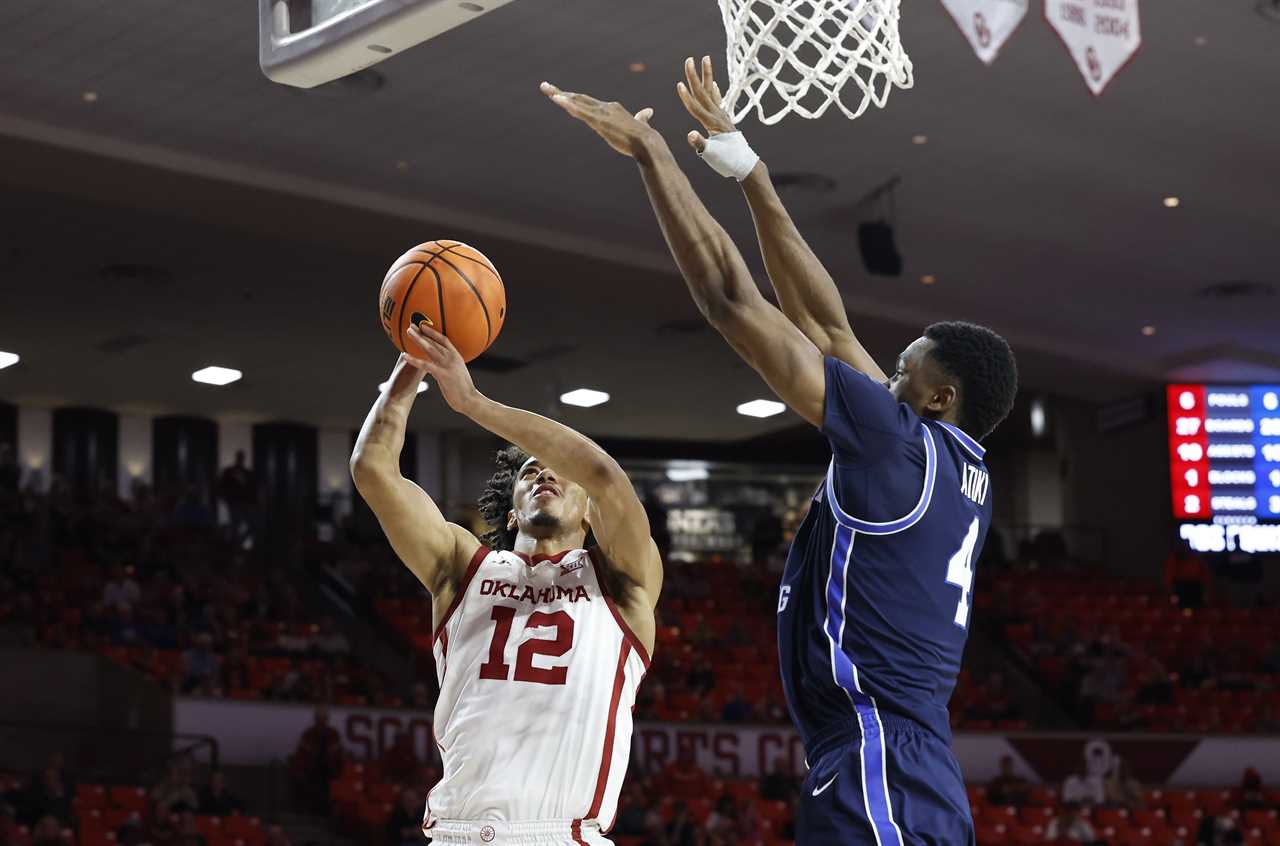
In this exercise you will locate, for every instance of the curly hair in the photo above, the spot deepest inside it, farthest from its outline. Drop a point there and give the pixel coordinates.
(982, 362)
(495, 501)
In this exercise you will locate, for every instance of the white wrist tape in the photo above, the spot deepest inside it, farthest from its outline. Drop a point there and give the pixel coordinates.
(729, 154)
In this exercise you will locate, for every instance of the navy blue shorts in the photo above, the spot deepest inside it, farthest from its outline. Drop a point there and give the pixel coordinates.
(901, 787)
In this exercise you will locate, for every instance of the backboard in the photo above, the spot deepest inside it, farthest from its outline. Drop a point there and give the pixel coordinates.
(308, 42)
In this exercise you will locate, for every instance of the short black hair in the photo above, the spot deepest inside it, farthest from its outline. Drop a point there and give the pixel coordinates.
(495, 501)
(982, 362)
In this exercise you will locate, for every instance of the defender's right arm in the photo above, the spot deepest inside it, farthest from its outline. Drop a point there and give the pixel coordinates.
(807, 294)
(436, 551)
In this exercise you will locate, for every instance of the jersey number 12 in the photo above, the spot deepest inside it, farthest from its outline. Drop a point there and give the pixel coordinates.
(960, 573)
(496, 667)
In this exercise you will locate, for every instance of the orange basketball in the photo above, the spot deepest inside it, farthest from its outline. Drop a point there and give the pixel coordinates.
(448, 286)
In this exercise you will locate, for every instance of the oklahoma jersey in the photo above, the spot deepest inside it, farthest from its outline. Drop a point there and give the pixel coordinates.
(538, 675)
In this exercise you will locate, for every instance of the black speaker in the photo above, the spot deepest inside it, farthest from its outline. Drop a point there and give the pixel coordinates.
(879, 253)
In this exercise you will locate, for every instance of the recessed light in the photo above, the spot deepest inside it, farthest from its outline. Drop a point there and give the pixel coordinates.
(584, 397)
(402, 165)
(89, 96)
(638, 67)
(688, 471)
(761, 408)
(1201, 41)
(928, 279)
(216, 375)
(8, 359)
(422, 386)
(919, 139)
(1148, 330)
(1172, 202)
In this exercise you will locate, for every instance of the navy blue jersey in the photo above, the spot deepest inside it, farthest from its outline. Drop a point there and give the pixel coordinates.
(874, 607)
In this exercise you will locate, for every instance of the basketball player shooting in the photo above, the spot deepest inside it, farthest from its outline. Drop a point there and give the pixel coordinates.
(540, 642)
(873, 611)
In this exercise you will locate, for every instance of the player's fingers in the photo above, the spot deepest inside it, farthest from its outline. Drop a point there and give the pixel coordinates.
(440, 339)
(685, 97)
(645, 115)
(708, 74)
(697, 142)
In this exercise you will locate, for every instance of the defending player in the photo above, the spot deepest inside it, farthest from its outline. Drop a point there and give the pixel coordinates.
(540, 643)
(874, 605)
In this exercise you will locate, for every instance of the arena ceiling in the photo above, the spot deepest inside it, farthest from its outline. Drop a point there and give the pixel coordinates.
(166, 207)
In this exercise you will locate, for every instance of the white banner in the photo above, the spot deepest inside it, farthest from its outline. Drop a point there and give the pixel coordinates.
(257, 733)
(1101, 35)
(987, 23)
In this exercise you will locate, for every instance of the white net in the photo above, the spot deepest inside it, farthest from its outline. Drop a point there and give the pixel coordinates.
(800, 56)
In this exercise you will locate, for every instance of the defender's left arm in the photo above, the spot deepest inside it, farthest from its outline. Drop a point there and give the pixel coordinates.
(617, 517)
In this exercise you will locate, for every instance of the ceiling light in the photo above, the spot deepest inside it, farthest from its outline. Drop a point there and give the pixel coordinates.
(919, 139)
(1038, 422)
(422, 386)
(402, 165)
(1148, 330)
(688, 471)
(1172, 202)
(761, 408)
(928, 279)
(638, 67)
(89, 96)
(584, 398)
(1201, 41)
(8, 359)
(216, 376)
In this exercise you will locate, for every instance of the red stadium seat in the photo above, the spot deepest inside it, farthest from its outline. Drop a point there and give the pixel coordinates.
(91, 795)
(129, 798)
(247, 829)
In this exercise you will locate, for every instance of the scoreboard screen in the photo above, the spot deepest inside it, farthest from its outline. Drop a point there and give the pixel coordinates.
(1224, 463)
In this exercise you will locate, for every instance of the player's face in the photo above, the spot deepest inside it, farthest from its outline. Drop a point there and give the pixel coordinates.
(545, 502)
(917, 381)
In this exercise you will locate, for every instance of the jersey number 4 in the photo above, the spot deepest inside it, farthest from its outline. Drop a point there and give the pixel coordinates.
(496, 667)
(960, 573)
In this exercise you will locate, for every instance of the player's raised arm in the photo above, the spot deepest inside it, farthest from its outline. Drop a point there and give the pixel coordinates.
(807, 293)
(617, 517)
(435, 550)
(713, 268)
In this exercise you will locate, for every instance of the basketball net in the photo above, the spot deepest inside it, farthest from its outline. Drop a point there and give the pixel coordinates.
(798, 56)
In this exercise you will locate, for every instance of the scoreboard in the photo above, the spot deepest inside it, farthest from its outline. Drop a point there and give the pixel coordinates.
(1224, 464)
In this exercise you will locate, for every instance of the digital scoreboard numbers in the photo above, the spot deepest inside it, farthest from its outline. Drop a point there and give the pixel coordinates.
(1224, 463)
(1224, 451)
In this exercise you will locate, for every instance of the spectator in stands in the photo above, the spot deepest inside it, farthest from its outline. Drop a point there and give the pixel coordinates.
(8, 825)
(238, 488)
(329, 640)
(174, 794)
(1187, 577)
(49, 794)
(681, 830)
(632, 813)
(317, 761)
(683, 776)
(1121, 789)
(216, 800)
(187, 832)
(1082, 787)
(702, 679)
(200, 666)
(10, 472)
(724, 819)
(420, 697)
(47, 832)
(1252, 796)
(404, 826)
(1071, 826)
(655, 833)
(777, 785)
(737, 709)
(1218, 831)
(400, 760)
(121, 589)
(1008, 788)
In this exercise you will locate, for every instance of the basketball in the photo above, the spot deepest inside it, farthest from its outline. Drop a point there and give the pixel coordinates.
(450, 287)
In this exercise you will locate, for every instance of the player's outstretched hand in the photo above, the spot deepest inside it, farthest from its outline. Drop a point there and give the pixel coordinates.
(620, 129)
(701, 96)
(437, 356)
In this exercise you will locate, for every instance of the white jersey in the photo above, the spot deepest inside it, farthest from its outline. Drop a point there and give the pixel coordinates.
(538, 675)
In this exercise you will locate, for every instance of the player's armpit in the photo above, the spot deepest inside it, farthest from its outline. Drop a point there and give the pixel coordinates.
(621, 528)
(788, 361)
(436, 551)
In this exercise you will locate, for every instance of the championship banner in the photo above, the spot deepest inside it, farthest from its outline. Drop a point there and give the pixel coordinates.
(987, 23)
(1101, 35)
(258, 733)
